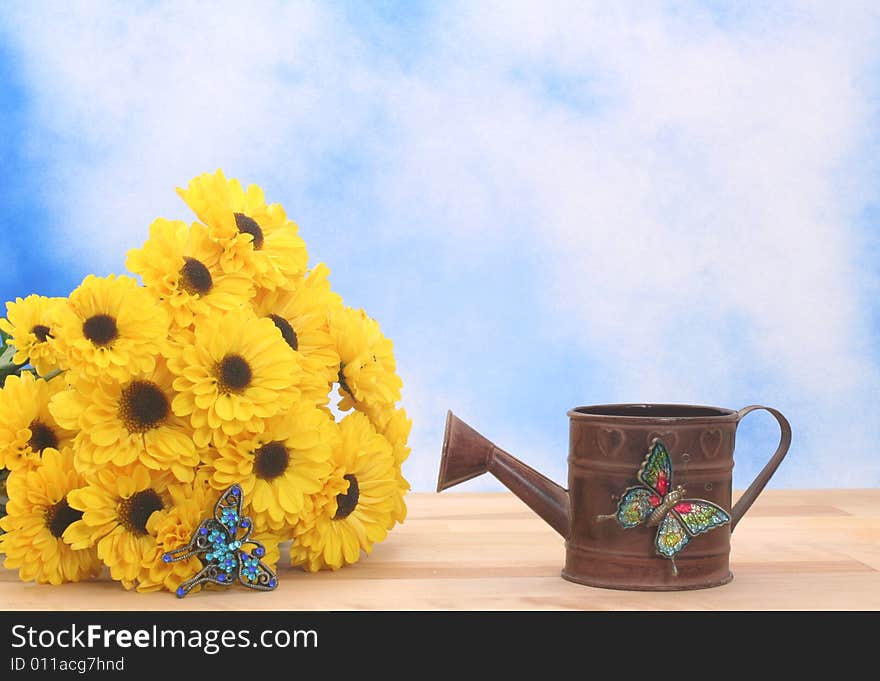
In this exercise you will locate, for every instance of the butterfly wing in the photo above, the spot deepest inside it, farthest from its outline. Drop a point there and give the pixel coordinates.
(656, 471)
(254, 573)
(699, 515)
(227, 510)
(672, 536)
(636, 505)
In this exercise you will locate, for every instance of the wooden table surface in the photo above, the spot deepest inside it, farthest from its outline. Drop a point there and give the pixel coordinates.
(815, 550)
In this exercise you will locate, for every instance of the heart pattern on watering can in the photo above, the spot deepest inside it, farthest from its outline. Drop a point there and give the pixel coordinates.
(710, 441)
(668, 438)
(610, 441)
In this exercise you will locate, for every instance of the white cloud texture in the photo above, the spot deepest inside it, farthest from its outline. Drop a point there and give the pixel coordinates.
(686, 187)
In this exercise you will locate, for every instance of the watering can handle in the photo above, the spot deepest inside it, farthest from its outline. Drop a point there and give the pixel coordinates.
(748, 497)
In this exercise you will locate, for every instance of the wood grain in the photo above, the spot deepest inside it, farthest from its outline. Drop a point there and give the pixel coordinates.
(796, 549)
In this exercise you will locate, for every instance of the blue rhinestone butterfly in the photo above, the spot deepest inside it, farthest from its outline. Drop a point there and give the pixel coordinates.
(219, 542)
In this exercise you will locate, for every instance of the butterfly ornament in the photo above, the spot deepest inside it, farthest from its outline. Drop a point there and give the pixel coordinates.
(656, 503)
(219, 543)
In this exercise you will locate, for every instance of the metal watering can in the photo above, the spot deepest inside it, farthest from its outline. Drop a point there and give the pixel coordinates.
(648, 504)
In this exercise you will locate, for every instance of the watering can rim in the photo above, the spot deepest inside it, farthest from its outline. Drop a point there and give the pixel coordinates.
(640, 412)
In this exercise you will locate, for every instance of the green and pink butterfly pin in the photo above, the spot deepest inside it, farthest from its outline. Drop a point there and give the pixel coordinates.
(657, 503)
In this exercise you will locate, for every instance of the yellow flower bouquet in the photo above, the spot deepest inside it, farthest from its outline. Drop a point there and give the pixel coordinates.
(129, 406)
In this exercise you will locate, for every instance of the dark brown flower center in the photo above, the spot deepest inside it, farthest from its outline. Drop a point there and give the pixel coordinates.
(247, 225)
(100, 329)
(286, 330)
(142, 406)
(42, 437)
(61, 516)
(341, 379)
(41, 332)
(195, 277)
(271, 460)
(234, 374)
(346, 503)
(137, 509)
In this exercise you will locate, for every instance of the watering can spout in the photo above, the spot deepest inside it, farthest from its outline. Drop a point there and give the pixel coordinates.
(467, 454)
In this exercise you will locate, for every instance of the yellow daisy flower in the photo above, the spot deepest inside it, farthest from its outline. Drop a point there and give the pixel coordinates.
(394, 424)
(189, 506)
(396, 429)
(367, 371)
(117, 507)
(398, 514)
(110, 328)
(31, 324)
(257, 239)
(278, 467)
(237, 373)
(180, 265)
(300, 315)
(28, 429)
(37, 515)
(354, 520)
(123, 422)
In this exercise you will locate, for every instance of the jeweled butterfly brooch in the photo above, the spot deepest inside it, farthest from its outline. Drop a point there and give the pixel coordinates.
(219, 543)
(659, 503)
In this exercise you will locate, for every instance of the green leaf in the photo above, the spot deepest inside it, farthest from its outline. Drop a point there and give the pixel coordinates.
(7, 354)
(6, 371)
(7, 366)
